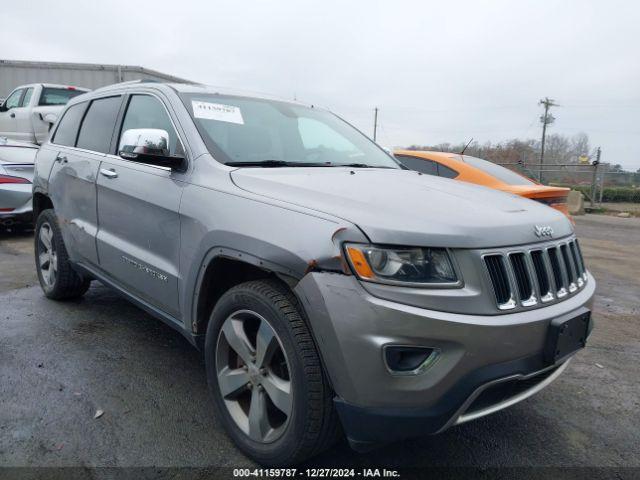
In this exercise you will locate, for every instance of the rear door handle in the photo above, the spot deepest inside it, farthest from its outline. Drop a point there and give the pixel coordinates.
(110, 173)
(61, 159)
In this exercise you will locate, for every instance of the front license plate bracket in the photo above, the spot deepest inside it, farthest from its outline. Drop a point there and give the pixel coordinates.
(567, 334)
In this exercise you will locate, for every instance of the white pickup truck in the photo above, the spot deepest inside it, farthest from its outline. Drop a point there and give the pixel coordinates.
(30, 110)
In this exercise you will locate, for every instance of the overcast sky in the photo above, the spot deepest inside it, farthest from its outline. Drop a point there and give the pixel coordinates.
(438, 71)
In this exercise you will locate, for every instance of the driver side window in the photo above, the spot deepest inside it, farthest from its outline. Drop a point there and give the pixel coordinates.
(145, 111)
(13, 100)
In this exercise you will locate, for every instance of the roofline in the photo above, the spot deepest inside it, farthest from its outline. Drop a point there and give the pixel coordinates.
(240, 93)
(91, 66)
(51, 85)
(195, 88)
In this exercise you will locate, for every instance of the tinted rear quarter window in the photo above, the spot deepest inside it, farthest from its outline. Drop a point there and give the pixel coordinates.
(98, 124)
(419, 164)
(446, 172)
(67, 131)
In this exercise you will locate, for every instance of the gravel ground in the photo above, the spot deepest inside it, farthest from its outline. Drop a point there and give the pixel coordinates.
(61, 362)
(633, 208)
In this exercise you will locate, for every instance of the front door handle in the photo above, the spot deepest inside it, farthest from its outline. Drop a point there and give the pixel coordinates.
(12, 115)
(61, 159)
(110, 173)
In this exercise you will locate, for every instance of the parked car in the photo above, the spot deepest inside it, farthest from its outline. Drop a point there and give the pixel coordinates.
(16, 172)
(482, 172)
(30, 110)
(329, 289)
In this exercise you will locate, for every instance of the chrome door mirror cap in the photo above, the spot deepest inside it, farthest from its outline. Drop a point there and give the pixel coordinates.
(151, 141)
(150, 146)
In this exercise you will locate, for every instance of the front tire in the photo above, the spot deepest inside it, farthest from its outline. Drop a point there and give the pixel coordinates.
(266, 377)
(58, 279)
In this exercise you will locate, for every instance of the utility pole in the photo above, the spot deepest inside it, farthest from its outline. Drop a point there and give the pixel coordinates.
(546, 119)
(375, 123)
(594, 178)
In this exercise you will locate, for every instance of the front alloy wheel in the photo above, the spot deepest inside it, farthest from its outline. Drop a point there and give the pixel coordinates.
(265, 375)
(253, 376)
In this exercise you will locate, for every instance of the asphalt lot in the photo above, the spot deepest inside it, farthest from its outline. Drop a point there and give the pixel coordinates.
(60, 362)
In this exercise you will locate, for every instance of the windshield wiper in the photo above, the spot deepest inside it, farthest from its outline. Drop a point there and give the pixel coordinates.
(358, 165)
(275, 164)
(283, 163)
(259, 163)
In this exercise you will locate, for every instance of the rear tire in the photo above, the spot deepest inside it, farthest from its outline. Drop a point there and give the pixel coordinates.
(58, 279)
(270, 310)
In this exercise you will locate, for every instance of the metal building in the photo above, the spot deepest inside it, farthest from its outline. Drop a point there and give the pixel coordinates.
(15, 72)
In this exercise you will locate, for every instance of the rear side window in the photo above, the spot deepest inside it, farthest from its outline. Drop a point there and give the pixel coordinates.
(419, 164)
(145, 111)
(67, 131)
(58, 96)
(98, 124)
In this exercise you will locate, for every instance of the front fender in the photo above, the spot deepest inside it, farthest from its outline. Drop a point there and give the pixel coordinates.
(285, 241)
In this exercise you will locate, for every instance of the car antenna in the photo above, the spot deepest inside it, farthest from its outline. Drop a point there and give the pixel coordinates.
(465, 147)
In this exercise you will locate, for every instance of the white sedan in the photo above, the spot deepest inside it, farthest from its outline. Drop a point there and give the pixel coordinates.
(16, 174)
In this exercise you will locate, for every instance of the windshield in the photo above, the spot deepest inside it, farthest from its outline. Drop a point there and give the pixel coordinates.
(501, 173)
(248, 131)
(58, 96)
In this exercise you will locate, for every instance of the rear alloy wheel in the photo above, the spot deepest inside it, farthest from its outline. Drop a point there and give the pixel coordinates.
(57, 277)
(47, 256)
(265, 375)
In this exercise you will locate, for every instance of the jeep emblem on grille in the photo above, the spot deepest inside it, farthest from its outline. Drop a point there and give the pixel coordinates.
(543, 231)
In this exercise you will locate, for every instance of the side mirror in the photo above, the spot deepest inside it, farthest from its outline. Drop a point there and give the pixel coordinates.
(149, 145)
(50, 118)
(3, 108)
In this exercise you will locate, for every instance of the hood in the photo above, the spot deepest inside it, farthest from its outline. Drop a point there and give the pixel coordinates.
(402, 207)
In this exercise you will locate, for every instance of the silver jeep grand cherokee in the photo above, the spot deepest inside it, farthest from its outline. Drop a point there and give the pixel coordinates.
(330, 289)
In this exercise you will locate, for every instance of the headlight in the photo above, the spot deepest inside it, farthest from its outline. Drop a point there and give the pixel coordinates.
(399, 266)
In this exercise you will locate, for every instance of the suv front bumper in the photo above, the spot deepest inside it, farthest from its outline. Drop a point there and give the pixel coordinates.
(477, 356)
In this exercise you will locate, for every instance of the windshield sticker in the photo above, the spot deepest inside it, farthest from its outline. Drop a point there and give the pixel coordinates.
(217, 111)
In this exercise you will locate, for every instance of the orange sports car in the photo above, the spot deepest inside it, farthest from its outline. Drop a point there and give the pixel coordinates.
(482, 172)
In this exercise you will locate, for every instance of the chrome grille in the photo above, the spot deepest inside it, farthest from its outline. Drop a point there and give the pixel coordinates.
(569, 268)
(500, 281)
(524, 282)
(539, 274)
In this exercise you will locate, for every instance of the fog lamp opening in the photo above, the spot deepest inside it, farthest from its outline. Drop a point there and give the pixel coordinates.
(409, 360)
